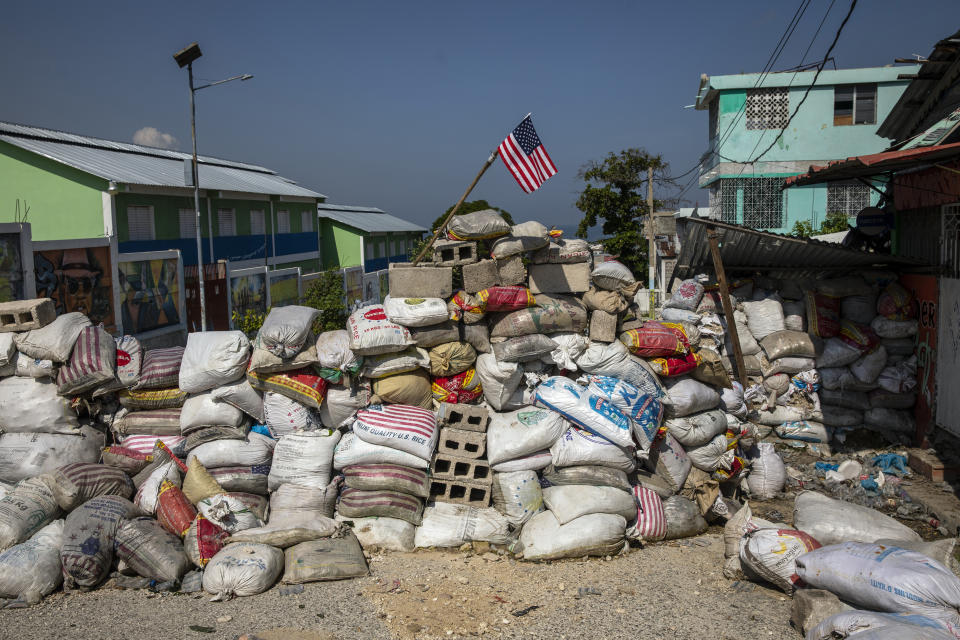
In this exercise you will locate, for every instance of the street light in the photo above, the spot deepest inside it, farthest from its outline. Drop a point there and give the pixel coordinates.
(185, 58)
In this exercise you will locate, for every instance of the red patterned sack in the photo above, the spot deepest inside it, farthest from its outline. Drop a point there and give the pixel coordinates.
(203, 540)
(655, 339)
(858, 335)
(462, 388)
(174, 512)
(675, 366)
(823, 315)
(301, 385)
(506, 298)
(896, 303)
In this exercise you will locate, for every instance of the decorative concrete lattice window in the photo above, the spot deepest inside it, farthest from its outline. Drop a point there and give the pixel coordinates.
(724, 199)
(767, 108)
(760, 199)
(848, 197)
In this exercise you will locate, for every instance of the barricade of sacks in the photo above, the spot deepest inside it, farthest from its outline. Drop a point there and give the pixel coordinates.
(489, 416)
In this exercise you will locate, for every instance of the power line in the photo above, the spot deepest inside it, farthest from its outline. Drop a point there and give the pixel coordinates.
(771, 60)
(793, 77)
(836, 38)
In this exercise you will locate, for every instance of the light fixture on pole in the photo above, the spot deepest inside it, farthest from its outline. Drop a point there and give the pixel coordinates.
(185, 58)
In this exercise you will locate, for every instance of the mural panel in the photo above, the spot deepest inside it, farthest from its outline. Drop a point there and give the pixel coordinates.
(77, 280)
(149, 295)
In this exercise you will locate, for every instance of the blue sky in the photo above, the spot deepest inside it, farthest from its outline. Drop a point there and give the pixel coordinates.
(397, 105)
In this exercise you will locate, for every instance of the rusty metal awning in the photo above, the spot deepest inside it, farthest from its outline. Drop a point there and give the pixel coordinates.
(748, 250)
(876, 164)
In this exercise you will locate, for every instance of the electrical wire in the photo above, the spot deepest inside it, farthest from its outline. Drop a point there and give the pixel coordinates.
(771, 60)
(833, 44)
(790, 84)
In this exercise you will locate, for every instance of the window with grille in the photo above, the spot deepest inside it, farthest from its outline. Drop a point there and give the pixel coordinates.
(283, 222)
(140, 223)
(393, 247)
(306, 221)
(854, 104)
(257, 226)
(760, 200)
(848, 197)
(226, 222)
(188, 223)
(767, 108)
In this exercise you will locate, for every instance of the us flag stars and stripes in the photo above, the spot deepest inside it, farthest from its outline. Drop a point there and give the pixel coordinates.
(526, 158)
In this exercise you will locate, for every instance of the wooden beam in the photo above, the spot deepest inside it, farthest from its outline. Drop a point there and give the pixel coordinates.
(727, 307)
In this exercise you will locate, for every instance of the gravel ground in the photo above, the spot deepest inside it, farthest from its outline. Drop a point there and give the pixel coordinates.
(669, 590)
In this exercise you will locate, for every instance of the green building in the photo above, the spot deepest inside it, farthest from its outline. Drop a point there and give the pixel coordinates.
(749, 112)
(139, 198)
(364, 236)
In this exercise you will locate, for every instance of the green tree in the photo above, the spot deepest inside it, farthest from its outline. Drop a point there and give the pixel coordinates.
(615, 195)
(802, 229)
(326, 293)
(834, 222)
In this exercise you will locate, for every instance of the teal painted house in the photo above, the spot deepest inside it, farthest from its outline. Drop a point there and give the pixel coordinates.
(838, 119)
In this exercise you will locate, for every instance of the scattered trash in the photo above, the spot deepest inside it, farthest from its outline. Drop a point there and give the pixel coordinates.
(587, 591)
(519, 613)
(290, 589)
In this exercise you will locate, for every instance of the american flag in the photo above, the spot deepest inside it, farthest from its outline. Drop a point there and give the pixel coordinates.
(526, 158)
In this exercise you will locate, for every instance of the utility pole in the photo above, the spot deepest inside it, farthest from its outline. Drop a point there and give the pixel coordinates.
(651, 248)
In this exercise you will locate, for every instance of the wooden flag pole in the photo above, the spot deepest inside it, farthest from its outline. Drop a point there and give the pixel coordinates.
(456, 207)
(727, 307)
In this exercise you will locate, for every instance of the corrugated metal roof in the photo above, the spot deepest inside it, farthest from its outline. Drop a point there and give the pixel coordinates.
(748, 250)
(140, 165)
(930, 95)
(343, 207)
(366, 219)
(875, 164)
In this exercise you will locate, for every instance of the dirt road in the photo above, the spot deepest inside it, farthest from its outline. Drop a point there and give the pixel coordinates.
(668, 590)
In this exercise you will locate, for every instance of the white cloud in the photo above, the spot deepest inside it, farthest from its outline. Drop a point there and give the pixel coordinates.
(151, 137)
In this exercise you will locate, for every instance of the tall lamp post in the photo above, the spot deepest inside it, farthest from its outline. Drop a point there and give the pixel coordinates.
(185, 58)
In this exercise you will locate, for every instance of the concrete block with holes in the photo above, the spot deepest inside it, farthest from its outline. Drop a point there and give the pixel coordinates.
(453, 253)
(465, 493)
(26, 315)
(480, 275)
(465, 444)
(421, 281)
(459, 469)
(466, 417)
(560, 278)
(512, 271)
(603, 326)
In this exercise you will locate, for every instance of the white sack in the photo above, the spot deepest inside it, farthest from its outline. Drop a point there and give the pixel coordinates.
(352, 450)
(499, 379)
(578, 447)
(764, 317)
(614, 360)
(24, 455)
(256, 449)
(577, 404)
(522, 432)
(371, 332)
(597, 534)
(25, 510)
(450, 525)
(868, 367)
(832, 521)
(285, 415)
(54, 341)
(568, 502)
(31, 405)
(242, 569)
(768, 474)
(242, 396)
(521, 493)
(286, 331)
(32, 569)
(416, 312)
(570, 346)
(303, 459)
(212, 359)
(686, 396)
(203, 410)
(391, 534)
(697, 429)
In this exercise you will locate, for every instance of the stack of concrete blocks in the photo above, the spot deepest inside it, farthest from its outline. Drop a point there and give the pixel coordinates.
(454, 253)
(26, 315)
(459, 470)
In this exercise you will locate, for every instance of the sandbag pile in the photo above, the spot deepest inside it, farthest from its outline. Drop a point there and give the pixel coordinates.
(533, 408)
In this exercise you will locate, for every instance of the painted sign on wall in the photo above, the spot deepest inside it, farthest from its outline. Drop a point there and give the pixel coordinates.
(248, 292)
(149, 294)
(284, 287)
(79, 279)
(924, 290)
